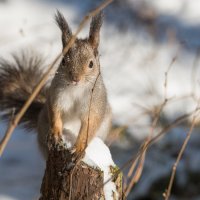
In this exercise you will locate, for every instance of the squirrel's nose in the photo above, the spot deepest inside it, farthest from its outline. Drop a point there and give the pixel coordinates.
(75, 80)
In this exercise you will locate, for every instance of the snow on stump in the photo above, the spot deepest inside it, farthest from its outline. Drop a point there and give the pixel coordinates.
(83, 180)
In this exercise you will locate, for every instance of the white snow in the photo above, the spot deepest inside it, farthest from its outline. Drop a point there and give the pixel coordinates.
(97, 154)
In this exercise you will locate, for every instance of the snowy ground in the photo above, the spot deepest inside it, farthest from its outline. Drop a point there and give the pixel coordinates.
(135, 54)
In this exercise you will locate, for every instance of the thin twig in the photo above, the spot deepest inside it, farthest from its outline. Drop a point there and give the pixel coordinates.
(114, 135)
(13, 124)
(91, 14)
(88, 119)
(144, 147)
(152, 111)
(71, 176)
(16, 120)
(86, 144)
(168, 191)
(141, 159)
(151, 142)
(194, 72)
(166, 74)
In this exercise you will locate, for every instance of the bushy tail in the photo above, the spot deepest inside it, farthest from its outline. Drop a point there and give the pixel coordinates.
(17, 81)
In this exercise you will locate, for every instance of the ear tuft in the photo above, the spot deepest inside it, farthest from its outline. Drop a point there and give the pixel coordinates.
(95, 25)
(64, 27)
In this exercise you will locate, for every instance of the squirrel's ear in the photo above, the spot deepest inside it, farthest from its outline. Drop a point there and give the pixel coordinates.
(95, 26)
(64, 27)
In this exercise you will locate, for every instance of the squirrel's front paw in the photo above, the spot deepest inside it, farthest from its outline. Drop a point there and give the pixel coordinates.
(54, 138)
(56, 132)
(76, 155)
(58, 143)
(72, 150)
(77, 152)
(79, 149)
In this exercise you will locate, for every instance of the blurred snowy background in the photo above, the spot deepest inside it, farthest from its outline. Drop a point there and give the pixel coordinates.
(139, 40)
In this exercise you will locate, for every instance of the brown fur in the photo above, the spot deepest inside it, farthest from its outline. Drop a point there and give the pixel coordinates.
(17, 80)
(56, 122)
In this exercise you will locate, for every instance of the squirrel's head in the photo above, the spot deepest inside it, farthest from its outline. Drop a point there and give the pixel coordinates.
(81, 63)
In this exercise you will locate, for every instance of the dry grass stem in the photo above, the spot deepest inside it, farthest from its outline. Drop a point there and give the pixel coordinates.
(167, 128)
(137, 173)
(194, 72)
(144, 147)
(166, 75)
(82, 153)
(14, 122)
(168, 191)
(114, 134)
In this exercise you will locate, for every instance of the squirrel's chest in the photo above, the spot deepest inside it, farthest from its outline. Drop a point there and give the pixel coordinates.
(73, 101)
(73, 105)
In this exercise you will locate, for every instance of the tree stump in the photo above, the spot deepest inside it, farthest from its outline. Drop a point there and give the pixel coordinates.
(84, 179)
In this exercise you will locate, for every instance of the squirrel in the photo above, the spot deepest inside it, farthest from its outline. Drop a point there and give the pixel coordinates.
(74, 107)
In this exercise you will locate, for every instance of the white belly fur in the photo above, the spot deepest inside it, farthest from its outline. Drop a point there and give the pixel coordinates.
(73, 126)
(71, 116)
(71, 130)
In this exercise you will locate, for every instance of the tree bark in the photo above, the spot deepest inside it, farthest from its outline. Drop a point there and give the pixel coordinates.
(64, 180)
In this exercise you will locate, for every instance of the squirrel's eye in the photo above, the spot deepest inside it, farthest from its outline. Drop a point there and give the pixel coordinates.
(91, 64)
